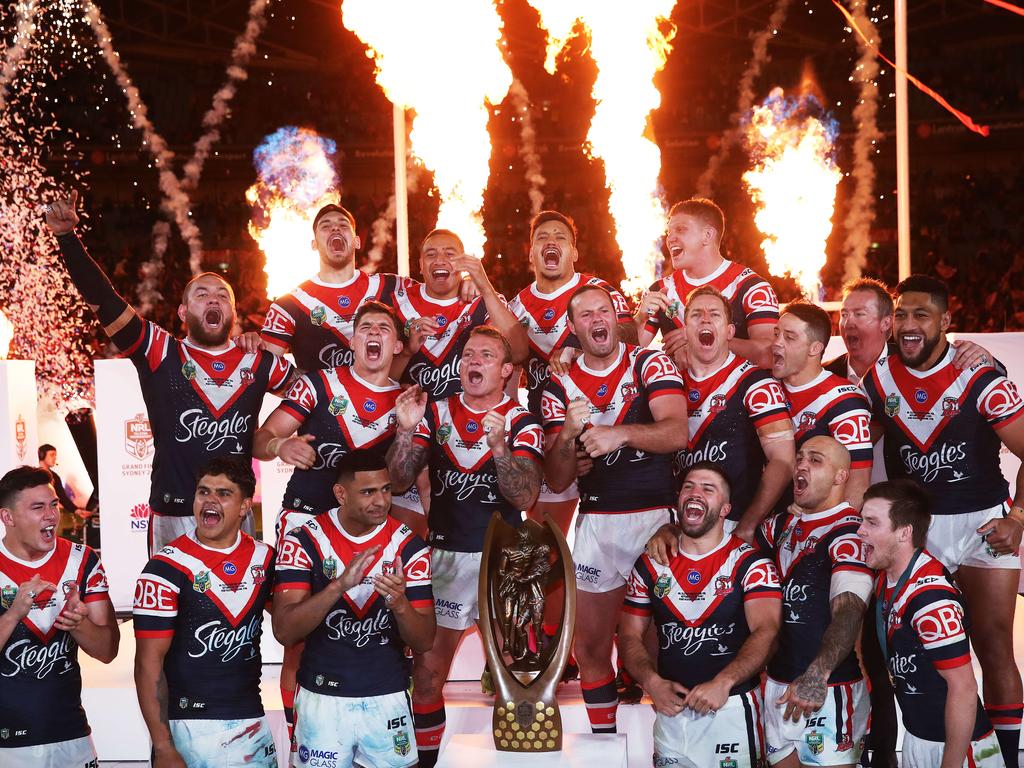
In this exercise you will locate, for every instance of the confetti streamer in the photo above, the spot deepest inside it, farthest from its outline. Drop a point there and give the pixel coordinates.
(24, 29)
(1006, 6)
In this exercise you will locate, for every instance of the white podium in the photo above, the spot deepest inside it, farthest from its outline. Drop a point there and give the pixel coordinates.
(19, 438)
(579, 750)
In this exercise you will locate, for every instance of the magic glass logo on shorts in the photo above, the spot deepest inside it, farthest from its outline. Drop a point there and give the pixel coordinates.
(317, 758)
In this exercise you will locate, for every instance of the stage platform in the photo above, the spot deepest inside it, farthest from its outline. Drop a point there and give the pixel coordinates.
(121, 737)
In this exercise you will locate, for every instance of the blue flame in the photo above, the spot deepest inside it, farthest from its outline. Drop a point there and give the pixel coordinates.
(282, 165)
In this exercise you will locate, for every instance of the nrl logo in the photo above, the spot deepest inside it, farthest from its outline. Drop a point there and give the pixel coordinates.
(401, 740)
(7, 595)
(662, 586)
(201, 582)
(330, 567)
(318, 315)
(892, 405)
(443, 433)
(188, 370)
(138, 437)
(338, 405)
(672, 311)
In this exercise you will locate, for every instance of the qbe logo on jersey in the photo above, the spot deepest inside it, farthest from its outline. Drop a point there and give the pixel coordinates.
(138, 437)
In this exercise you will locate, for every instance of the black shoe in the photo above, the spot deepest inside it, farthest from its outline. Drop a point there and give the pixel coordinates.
(572, 672)
(629, 693)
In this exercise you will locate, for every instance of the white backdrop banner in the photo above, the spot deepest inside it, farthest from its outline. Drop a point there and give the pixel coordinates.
(19, 439)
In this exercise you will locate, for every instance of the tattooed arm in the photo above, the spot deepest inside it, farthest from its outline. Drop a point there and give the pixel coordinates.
(806, 694)
(518, 480)
(151, 688)
(406, 458)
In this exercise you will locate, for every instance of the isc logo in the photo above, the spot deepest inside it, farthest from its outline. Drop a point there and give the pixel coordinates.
(396, 722)
(152, 596)
(726, 749)
(815, 722)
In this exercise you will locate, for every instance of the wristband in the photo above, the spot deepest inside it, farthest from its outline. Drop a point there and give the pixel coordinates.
(1016, 514)
(274, 445)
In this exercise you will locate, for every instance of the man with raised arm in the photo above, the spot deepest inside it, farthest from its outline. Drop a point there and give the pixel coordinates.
(203, 393)
(485, 453)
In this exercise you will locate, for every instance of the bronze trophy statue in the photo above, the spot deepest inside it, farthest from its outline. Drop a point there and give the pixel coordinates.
(518, 568)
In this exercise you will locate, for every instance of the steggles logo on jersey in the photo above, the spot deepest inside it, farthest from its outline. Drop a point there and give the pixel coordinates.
(330, 567)
(328, 455)
(435, 380)
(201, 582)
(39, 661)
(537, 372)
(318, 314)
(691, 639)
(337, 405)
(335, 356)
(195, 424)
(228, 642)
(464, 483)
(138, 437)
(359, 631)
(188, 370)
(927, 466)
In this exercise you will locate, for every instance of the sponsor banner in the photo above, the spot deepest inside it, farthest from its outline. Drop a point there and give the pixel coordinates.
(19, 438)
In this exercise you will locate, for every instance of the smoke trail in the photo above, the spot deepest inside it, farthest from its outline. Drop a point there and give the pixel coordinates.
(175, 201)
(758, 59)
(528, 146)
(148, 291)
(381, 231)
(25, 27)
(862, 203)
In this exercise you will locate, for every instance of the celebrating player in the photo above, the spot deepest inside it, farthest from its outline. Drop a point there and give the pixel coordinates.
(944, 427)
(694, 241)
(203, 393)
(624, 408)
(921, 624)
(198, 613)
(437, 323)
(355, 584)
(485, 454)
(53, 601)
(820, 402)
(715, 631)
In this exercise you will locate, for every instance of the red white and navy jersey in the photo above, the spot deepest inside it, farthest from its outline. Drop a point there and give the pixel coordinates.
(698, 605)
(940, 429)
(808, 550)
(832, 406)
(625, 480)
(926, 631)
(546, 320)
(41, 688)
(210, 602)
(435, 367)
(463, 478)
(356, 650)
(752, 299)
(201, 405)
(725, 410)
(314, 321)
(344, 413)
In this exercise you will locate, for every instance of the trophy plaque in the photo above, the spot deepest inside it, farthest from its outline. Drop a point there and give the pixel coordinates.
(518, 569)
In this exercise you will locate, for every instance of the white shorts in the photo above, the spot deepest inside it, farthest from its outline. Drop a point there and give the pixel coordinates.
(546, 494)
(455, 579)
(75, 753)
(834, 735)
(607, 546)
(225, 743)
(163, 529)
(919, 753)
(409, 500)
(335, 731)
(954, 540)
(288, 520)
(731, 737)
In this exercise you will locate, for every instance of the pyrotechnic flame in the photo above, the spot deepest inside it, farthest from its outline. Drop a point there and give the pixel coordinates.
(629, 44)
(296, 178)
(792, 181)
(443, 62)
(6, 335)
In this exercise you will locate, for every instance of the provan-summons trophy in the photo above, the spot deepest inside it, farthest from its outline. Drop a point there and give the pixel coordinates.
(519, 567)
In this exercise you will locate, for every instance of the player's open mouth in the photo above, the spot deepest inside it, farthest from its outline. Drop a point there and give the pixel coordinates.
(211, 517)
(336, 244)
(47, 533)
(694, 510)
(868, 550)
(373, 350)
(474, 377)
(778, 359)
(600, 335)
(675, 250)
(213, 317)
(911, 341)
(800, 483)
(440, 274)
(705, 337)
(552, 255)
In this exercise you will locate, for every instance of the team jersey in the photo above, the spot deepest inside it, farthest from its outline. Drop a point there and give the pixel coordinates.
(356, 650)
(435, 366)
(210, 603)
(41, 692)
(698, 605)
(344, 413)
(314, 321)
(940, 428)
(463, 477)
(926, 630)
(546, 320)
(832, 406)
(752, 299)
(725, 410)
(809, 549)
(627, 479)
(201, 405)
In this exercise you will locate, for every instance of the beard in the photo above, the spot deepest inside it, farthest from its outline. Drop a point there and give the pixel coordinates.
(205, 337)
(927, 347)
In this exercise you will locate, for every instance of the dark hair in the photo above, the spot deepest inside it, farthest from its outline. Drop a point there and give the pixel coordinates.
(908, 505)
(587, 288)
(359, 461)
(237, 470)
(376, 307)
(883, 299)
(546, 216)
(709, 290)
(709, 466)
(44, 449)
(437, 233)
(21, 479)
(493, 333)
(334, 207)
(819, 326)
(937, 290)
(188, 286)
(705, 211)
